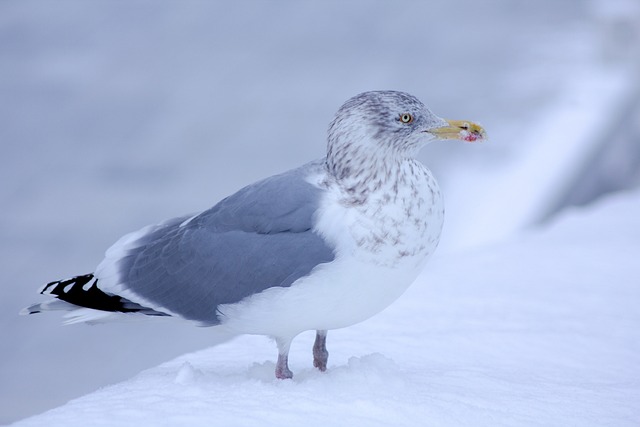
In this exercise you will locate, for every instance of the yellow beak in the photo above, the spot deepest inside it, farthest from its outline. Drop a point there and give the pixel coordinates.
(460, 129)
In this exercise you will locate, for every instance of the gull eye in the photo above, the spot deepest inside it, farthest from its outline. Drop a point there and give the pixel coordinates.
(406, 118)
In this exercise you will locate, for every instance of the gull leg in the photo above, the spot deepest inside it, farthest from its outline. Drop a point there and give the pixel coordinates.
(320, 353)
(282, 366)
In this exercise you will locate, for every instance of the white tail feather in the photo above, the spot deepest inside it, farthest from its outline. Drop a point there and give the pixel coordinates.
(51, 305)
(89, 315)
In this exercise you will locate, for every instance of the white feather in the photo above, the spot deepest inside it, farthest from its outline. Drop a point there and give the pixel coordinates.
(88, 315)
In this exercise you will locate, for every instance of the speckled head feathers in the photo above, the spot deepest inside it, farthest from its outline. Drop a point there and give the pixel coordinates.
(378, 125)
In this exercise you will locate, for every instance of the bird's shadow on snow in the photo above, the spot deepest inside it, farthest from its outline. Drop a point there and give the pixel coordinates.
(372, 366)
(373, 371)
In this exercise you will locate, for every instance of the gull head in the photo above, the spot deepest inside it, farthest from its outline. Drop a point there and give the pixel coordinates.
(389, 125)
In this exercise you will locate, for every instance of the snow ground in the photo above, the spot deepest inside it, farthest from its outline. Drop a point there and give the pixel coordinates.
(539, 330)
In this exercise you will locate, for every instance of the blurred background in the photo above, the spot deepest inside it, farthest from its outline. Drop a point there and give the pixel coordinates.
(115, 115)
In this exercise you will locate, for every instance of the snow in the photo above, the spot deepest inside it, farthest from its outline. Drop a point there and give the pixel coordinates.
(538, 330)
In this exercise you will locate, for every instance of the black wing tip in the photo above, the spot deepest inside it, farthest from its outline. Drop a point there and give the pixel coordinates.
(29, 310)
(57, 288)
(83, 291)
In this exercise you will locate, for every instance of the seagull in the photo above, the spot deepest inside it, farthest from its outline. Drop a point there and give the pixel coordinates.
(320, 247)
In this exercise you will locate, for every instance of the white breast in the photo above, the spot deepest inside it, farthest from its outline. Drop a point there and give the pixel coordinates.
(399, 225)
(381, 247)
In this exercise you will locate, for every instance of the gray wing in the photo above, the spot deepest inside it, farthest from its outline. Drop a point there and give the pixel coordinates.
(258, 238)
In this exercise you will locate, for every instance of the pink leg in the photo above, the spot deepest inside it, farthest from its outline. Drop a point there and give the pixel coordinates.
(282, 366)
(320, 353)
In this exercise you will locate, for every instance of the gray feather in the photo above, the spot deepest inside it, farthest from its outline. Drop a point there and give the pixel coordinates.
(260, 237)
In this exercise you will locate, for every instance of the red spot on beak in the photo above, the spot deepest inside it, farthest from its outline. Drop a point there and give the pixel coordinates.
(470, 136)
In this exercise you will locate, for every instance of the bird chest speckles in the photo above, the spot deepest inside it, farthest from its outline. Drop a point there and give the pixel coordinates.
(400, 220)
